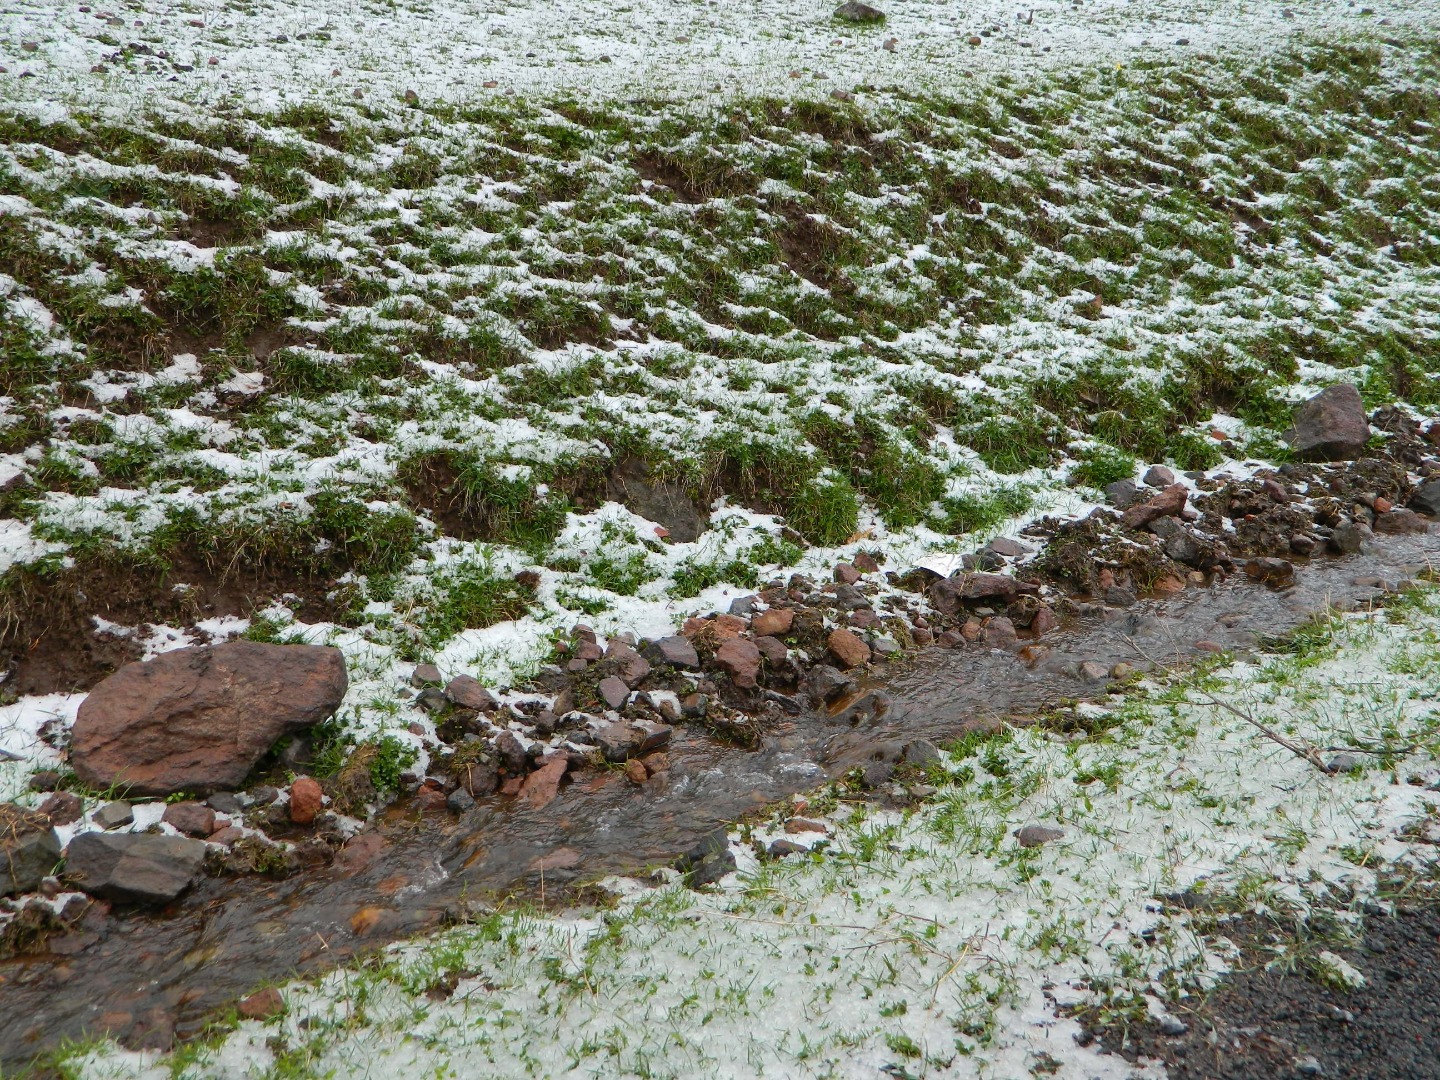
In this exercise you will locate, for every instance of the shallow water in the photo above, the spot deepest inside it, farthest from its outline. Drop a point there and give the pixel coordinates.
(148, 978)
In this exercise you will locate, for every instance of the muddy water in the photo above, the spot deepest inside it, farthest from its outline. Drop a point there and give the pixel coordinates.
(150, 978)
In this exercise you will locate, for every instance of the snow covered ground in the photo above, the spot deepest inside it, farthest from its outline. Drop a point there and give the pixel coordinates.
(267, 53)
(929, 942)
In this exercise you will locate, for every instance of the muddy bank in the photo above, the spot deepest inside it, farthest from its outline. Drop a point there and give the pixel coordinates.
(151, 978)
(1261, 1024)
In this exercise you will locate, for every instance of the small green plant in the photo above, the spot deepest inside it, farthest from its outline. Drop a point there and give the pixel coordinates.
(392, 757)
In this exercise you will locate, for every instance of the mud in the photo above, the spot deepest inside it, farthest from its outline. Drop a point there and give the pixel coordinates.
(151, 978)
(1264, 1024)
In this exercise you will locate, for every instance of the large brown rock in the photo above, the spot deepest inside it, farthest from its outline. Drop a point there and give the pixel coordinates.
(1168, 503)
(199, 719)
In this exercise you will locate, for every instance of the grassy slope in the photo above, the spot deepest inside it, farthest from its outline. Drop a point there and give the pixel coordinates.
(884, 313)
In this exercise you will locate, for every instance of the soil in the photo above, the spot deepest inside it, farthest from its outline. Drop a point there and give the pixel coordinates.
(49, 642)
(1271, 1025)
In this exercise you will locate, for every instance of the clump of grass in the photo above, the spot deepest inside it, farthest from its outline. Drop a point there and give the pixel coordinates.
(1098, 466)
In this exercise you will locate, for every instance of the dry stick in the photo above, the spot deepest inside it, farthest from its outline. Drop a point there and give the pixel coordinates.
(1305, 753)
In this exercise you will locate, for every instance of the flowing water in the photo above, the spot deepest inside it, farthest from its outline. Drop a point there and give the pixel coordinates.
(148, 978)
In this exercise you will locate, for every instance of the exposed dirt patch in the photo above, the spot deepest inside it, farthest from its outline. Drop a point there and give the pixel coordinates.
(49, 642)
(808, 247)
(690, 182)
(1272, 1025)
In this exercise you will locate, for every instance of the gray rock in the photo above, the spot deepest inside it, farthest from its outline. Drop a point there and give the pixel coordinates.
(694, 706)
(1171, 1025)
(512, 752)
(1344, 762)
(884, 647)
(675, 651)
(1093, 671)
(1178, 543)
(1348, 537)
(1426, 498)
(113, 815)
(29, 849)
(1159, 476)
(856, 12)
(743, 605)
(432, 699)
(708, 861)
(133, 868)
(1004, 545)
(460, 801)
(921, 753)
(1031, 836)
(224, 802)
(851, 598)
(1332, 425)
(826, 683)
(1122, 493)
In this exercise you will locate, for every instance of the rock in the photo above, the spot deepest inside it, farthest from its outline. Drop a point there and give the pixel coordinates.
(1426, 497)
(948, 639)
(1093, 671)
(773, 650)
(741, 660)
(884, 647)
(723, 627)
(806, 825)
(856, 12)
(190, 818)
(630, 667)
(1158, 476)
(945, 595)
(846, 574)
(430, 798)
(850, 598)
(262, 1006)
(1000, 633)
(432, 699)
(44, 780)
(708, 861)
(1032, 836)
(29, 849)
(1275, 492)
(613, 691)
(826, 683)
(477, 779)
(469, 693)
(1171, 1025)
(198, 719)
(226, 837)
(1167, 503)
(460, 801)
(743, 605)
(1349, 536)
(263, 795)
(133, 868)
(1332, 425)
(1001, 588)
(1399, 522)
(921, 753)
(305, 800)
(63, 808)
(1043, 621)
(847, 647)
(1276, 572)
(225, 802)
(513, 753)
(694, 706)
(865, 563)
(773, 623)
(635, 771)
(426, 675)
(1178, 543)
(778, 849)
(1344, 762)
(631, 738)
(675, 651)
(1118, 596)
(1010, 548)
(113, 815)
(1122, 493)
(542, 785)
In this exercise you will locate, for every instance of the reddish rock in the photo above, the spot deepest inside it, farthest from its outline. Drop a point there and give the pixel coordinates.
(542, 785)
(1332, 425)
(305, 800)
(657, 763)
(1166, 504)
(630, 667)
(262, 1006)
(636, 772)
(1000, 633)
(948, 639)
(848, 648)
(972, 630)
(864, 618)
(999, 587)
(1031, 655)
(921, 636)
(226, 836)
(725, 627)
(512, 785)
(1169, 585)
(805, 825)
(773, 623)
(431, 798)
(846, 574)
(741, 660)
(470, 693)
(865, 563)
(199, 719)
(190, 818)
(613, 691)
(1397, 522)
(63, 808)
(1043, 621)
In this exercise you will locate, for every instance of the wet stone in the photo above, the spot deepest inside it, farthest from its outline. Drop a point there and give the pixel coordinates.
(133, 868)
(459, 801)
(741, 660)
(708, 861)
(113, 815)
(622, 741)
(1348, 536)
(848, 648)
(921, 753)
(826, 683)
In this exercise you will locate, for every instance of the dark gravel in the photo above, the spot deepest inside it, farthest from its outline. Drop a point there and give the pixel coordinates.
(1261, 1025)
